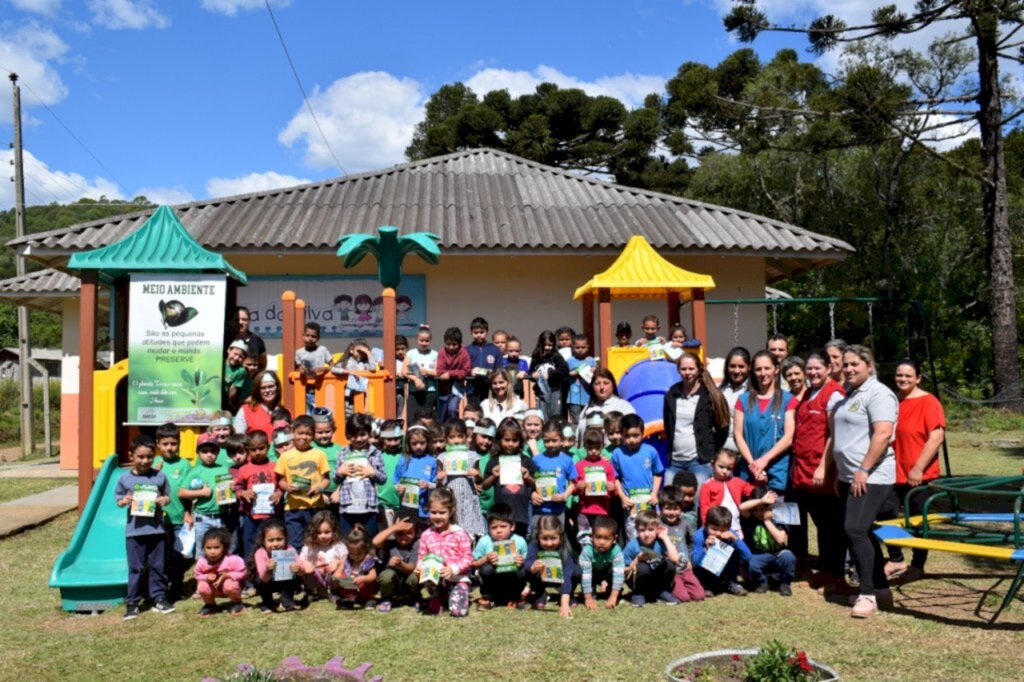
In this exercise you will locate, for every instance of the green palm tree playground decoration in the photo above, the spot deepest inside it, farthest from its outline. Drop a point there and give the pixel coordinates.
(390, 250)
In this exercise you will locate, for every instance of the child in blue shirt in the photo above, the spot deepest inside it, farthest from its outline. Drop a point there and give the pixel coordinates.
(418, 469)
(516, 364)
(555, 479)
(638, 468)
(145, 492)
(717, 524)
(484, 356)
(581, 367)
(650, 560)
(498, 559)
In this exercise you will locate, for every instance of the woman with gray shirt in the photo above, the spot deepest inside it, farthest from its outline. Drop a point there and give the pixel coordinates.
(862, 424)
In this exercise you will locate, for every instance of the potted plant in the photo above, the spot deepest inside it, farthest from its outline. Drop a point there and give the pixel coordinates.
(774, 662)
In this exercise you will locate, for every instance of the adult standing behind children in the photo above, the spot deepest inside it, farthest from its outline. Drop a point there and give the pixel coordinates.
(737, 372)
(764, 424)
(604, 399)
(862, 425)
(312, 360)
(818, 502)
(240, 327)
(502, 402)
(255, 414)
(696, 419)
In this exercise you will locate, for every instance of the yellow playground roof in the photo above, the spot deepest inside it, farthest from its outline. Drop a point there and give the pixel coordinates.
(639, 272)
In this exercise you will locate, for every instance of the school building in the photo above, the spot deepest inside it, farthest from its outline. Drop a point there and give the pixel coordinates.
(517, 239)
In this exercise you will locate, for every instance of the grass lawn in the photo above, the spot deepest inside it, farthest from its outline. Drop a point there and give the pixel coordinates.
(13, 488)
(937, 631)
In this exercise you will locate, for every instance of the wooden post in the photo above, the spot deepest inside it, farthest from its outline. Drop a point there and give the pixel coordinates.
(86, 370)
(119, 303)
(288, 346)
(700, 321)
(300, 323)
(390, 362)
(604, 316)
(673, 309)
(588, 320)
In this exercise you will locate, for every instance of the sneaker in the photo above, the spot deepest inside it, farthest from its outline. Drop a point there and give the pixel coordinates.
(266, 610)
(236, 609)
(288, 604)
(483, 604)
(131, 612)
(249, 592)
(370, 604)
(163, 606)
(522, 606)
(785, 590)
(384, 607)
(761, 588)
(541, 602)
(736, 590)
(882, 597)
(207, 611)
(637, 600)
(667, 597)
(865, 607)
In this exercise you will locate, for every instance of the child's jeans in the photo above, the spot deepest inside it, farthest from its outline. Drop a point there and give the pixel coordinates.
(286, 588)
(651, 579)
(295, 521)
(203, 524)
(250, 527)
(311, 401)
(230, 590)
(456, 593)
(398, 586)
(501, 588)
(686, 587)
(448, 407)
(782, 563)
(145, 550)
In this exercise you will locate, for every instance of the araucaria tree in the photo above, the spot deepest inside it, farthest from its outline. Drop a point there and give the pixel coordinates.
(993, 29)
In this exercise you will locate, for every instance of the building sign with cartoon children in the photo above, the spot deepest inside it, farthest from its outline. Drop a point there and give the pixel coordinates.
(341, 305)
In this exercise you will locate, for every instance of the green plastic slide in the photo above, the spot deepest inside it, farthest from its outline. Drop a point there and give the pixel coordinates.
(92, 573)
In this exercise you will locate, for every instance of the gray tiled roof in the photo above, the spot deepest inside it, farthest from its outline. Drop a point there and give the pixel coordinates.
(478, 200)
(43, 290)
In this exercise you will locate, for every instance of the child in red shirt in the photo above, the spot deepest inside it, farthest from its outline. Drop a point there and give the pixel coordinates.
(256, 487)
(595, 499)
(726, 490)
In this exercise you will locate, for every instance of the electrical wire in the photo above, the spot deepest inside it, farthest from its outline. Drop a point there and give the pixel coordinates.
(298, 81)
(75, 187)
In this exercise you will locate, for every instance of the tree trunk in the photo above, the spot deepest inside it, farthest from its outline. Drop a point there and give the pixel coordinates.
(1002, 305)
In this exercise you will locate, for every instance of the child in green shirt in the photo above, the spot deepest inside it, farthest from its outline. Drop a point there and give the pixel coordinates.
(176, 515)
(206, 482)
(323, 435)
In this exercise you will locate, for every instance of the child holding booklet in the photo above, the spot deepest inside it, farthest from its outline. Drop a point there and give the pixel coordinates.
(302, 474)
(391, 455)
(638, 469)
(176, 516)
(767, 543)
(206, 491)
(360, 470)
(323, 435)
(650, 559)
(498, 560)
(551, 564)
(399, 547)
(511, 472)
(256, 488)
(272, 567)
(595, 478)
(144, 491)
(555, 478)
(717, 553)
(482, 443)
(459, 470)
(444, 557)
(415, 476)
(581, 371)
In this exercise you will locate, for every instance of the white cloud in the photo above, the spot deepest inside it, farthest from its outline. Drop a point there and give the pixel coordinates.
(44, 185)
(368, 118)
(127, 14)
(253, 182)
(29, 52)
(628, 87)
(232, 7)
(166, 195)
(45, 7)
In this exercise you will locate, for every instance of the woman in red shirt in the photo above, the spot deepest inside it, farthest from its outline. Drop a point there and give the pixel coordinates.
(920, 430)
(821, 503)
(254, 415)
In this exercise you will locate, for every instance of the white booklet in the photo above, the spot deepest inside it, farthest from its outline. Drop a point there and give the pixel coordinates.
(716, 558)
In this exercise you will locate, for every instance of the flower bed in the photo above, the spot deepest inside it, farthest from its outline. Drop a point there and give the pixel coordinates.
(292, 669)
(772, 663)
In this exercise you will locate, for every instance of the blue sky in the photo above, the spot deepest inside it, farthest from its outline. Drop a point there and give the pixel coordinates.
(189, 99)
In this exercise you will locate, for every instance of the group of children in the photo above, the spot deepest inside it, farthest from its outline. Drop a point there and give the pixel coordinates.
(419, 515)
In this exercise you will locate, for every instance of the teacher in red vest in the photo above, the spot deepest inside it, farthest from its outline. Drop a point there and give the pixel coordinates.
(255, 413)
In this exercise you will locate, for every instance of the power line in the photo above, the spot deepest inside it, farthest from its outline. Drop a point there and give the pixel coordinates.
(305, 98)
(63, 178)
(69, 131)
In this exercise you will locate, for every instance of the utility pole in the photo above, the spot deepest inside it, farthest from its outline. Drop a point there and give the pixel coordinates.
(24, 342)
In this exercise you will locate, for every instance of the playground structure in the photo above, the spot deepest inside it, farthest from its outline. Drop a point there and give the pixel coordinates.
(989, 535)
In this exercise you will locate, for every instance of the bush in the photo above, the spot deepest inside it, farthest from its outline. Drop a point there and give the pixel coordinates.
(10, 411)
